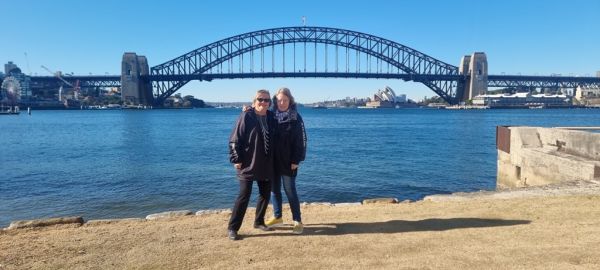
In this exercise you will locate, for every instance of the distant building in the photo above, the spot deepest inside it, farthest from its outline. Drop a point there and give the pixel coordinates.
(522, 100)
(9, 67)
(387, 98)
(15, 82)
(588, 95)
(598, 73)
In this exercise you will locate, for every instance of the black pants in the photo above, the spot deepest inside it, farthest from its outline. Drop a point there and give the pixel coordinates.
(241, 203)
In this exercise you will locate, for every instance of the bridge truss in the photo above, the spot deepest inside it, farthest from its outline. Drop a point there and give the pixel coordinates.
(305, 52)
(518, 81)
(92, 81)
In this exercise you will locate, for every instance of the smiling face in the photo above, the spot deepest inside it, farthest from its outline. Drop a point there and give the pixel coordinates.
(283, 102)
(261, 103)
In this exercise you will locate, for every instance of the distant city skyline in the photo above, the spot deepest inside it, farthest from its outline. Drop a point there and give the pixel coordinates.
(519, 37)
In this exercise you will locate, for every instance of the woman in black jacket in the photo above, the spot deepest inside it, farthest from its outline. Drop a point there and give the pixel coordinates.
(251, 152)
(290, 150)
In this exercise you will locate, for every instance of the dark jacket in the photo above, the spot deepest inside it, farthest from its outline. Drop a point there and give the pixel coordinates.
(290, 144)
(247, 146)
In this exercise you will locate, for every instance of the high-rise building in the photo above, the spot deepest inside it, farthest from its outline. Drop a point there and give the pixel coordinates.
(8, 67)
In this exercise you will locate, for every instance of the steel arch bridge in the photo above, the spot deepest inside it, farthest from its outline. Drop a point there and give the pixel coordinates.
(306, 52)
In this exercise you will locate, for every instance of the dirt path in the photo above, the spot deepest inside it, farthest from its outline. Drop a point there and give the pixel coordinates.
(547, 231)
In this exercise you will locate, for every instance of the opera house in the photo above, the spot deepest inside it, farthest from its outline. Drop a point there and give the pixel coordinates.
(387, 98)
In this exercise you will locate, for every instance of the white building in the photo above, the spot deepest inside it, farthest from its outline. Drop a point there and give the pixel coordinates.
(522, 100)
(588, 95)
(387, 98)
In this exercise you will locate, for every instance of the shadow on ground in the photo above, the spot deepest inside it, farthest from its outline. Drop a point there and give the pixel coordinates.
(400, 226)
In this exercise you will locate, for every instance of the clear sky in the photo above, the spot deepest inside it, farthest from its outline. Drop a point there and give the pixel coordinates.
(518, 36)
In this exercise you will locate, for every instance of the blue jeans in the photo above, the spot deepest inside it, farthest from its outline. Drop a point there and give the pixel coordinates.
(289, 184)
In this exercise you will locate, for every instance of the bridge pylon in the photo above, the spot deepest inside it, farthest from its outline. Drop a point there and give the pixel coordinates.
(134, 89)
(475, 68)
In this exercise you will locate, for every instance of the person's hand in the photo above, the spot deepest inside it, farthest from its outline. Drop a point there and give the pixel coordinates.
(246, 108)
(294, 166)
(237, 165)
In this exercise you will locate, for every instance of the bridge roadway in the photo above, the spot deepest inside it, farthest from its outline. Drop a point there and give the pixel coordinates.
(493, 80)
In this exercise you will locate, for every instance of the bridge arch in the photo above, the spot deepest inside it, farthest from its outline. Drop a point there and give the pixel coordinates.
(410, 64)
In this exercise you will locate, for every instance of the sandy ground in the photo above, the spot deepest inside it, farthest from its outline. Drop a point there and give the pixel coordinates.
(541, 229)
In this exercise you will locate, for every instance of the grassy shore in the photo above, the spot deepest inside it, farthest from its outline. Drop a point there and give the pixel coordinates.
(543, 229)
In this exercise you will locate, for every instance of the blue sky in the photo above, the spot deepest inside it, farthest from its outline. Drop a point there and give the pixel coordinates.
(526, 36)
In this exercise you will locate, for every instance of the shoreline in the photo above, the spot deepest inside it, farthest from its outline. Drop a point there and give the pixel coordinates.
(559, 189)
(534, 228)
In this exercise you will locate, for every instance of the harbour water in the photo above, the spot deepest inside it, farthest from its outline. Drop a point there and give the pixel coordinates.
(129, 163)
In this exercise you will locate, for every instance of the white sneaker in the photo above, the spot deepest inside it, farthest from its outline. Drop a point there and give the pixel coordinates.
(298, 227)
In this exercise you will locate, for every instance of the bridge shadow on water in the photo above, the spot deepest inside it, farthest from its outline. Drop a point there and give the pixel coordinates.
(399, 226)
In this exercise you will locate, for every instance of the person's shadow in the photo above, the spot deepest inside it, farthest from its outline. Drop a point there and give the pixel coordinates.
(400, 226)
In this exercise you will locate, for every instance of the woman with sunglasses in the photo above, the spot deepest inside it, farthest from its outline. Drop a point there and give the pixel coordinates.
(251, 152)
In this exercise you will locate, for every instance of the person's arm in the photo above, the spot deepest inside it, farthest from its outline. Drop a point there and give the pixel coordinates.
(236, 142)
(298, 144)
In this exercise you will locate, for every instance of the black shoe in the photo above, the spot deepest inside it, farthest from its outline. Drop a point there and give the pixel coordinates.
(263, 227)
(233, 235)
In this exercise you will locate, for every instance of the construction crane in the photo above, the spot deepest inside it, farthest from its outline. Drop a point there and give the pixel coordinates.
(58, 75)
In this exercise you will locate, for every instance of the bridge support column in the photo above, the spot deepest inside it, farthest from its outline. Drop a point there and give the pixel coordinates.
(474, 66)
(135, 90)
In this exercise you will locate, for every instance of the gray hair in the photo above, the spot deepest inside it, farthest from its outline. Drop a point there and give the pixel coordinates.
(260, 92)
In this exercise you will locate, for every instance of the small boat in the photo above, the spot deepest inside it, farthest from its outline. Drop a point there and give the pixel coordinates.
(10, 111)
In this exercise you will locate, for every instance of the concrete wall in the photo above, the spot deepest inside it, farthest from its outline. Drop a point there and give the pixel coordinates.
(540, 156)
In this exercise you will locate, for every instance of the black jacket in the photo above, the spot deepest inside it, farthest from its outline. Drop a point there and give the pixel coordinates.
(247, 146)
(290, 144)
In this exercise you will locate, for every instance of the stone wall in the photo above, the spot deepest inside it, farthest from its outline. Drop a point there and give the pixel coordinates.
(533, 156)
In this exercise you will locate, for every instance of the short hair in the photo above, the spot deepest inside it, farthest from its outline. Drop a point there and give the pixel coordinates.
(260, 92)
(287, 93)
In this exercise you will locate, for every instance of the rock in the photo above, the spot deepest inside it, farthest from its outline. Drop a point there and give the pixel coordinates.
(169, 214)
(226, 211)
(380, 200)
(213, 211)
(110, 221)
(346, 204)
(406, 201)
(207, 212)
(321, 203)
(44, 222)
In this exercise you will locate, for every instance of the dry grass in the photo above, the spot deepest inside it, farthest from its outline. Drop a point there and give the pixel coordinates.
(554, 232)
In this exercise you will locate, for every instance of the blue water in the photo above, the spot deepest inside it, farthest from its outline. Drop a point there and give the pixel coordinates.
(111, 164)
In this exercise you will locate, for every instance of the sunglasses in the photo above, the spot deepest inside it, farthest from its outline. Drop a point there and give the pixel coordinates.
(263, 100)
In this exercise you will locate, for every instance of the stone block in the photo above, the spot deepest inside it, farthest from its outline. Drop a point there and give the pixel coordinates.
(169, 214)
(213, 211)
(111, 221)
(44, 222)
(542, 156)
(380, 200)
(321, 203)
(347, 204)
